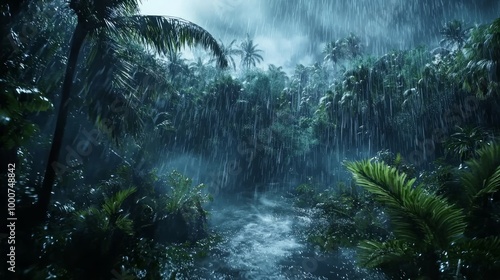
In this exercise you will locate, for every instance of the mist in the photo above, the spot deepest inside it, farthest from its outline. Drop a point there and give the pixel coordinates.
(295, 32)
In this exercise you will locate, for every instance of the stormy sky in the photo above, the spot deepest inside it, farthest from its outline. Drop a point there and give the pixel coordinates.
(295, 31)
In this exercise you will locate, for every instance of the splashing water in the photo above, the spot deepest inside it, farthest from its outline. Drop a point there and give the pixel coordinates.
(263, 239)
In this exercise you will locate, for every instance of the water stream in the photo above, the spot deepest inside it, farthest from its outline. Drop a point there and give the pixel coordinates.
(263, 238)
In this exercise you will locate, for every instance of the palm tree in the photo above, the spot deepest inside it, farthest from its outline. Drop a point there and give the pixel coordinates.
(479, 70)
(454, 34)
(278, 79)
(276, 71)
(466, 141)
(201, 68)
(198, 66)
(348, 47)
(112, 21)
(249, 53)
(229, 51)
(334, 51)
(353, 45)
(176, 65)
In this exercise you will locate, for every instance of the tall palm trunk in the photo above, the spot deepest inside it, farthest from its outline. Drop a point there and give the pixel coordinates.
(77, 40)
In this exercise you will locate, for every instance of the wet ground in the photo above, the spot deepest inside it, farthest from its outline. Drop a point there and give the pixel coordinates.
(263, 238)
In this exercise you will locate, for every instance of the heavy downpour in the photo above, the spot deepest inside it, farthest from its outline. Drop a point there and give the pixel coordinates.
(250, 139)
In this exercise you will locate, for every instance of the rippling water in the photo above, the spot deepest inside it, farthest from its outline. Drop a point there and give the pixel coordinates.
(263, 239)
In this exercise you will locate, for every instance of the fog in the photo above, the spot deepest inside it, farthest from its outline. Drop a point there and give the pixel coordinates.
(295, 31)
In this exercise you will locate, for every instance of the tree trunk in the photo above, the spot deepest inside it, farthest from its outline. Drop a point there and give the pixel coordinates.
(77, 40)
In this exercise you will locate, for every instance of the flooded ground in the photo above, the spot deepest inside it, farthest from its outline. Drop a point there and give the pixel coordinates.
(264, 238)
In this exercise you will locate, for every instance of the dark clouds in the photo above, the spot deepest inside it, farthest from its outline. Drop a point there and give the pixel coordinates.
(294, 31)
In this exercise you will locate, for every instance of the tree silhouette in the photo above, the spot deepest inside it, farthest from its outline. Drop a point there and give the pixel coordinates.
(334, 51)
(229, 51)
(111, 21)
(454, 34)
(249, 53)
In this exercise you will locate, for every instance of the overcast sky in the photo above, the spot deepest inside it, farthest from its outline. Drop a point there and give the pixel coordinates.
(295, 31)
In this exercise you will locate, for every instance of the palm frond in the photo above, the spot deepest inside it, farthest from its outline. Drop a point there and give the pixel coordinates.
(125, 224)
(126, 7)
(483, 176)
(480, 250)
(229, 51)
(374, 254)
(417, 216)
(466, 141)
(107, 68)
(167, 34)
(110, 91)
(93, 218)
(113, 204)
(183, 193)
(97, 12)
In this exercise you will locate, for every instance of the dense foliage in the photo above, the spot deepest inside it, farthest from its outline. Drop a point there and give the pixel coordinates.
(132, 101)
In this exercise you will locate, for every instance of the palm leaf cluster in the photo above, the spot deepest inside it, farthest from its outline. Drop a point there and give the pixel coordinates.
(430, 231)
(153, 30)
(481, 189)
(229, 51)
(466, 141)
(416, 215)
(110, 23)
(478, 64)
(126, 220)
(110, 70)
(334, 51)
(110, 80)
(348, 47)
(109, 216)
(17, 101)
(484, 176)
(183, 194)
(454, 34)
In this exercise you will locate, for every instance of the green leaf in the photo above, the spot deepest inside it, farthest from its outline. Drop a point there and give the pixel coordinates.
(112, 205)
(483, 176)
(167, 34)
(374, 254)
(417, 216)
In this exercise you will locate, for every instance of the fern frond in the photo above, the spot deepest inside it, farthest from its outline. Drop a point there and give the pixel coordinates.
(373, 253)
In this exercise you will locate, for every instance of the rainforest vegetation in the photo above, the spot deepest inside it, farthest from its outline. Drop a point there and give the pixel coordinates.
(120, 146)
